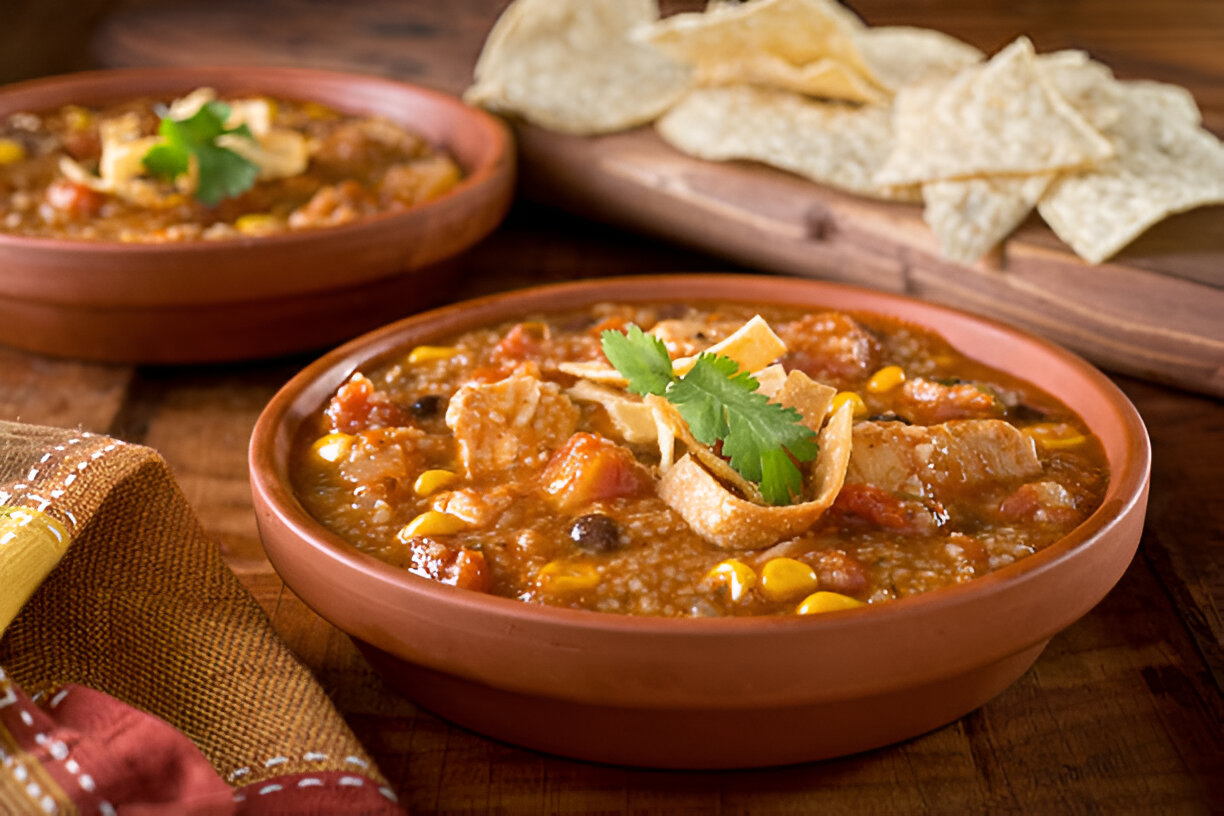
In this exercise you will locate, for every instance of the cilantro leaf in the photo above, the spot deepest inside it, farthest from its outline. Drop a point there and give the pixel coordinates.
(641, 358)
(223, 172)
(720, 403)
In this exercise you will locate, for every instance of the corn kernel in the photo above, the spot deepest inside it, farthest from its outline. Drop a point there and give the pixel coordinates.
(783, 578)
(886, 379)
(425, 354)
(859, 408)
(826, 602)
(431, 522)
(431, 481)
(11, 151)
(735, 575)
(333, 447)
(567, 576)
(1054, 435)
(77, 118)
(257, 223)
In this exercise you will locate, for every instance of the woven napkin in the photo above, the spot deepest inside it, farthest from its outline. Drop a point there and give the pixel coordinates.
(137, 675)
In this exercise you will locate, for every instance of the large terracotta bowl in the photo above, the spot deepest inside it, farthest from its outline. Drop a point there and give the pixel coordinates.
(251, 297)
(705, 693)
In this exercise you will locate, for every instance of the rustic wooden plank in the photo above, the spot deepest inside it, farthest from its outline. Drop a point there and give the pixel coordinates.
(63, 393)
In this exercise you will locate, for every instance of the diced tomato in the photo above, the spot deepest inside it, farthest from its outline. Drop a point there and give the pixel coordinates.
(73, 199)
(83, 145)
(839, 571)
(613, 323)
(465, 568)
(358, 406)
(522, 342)
(588, 468)
(873, 505)
(1039, 502)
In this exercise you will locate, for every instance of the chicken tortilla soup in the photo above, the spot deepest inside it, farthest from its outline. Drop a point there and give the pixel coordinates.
(203, 167)
(696, 460)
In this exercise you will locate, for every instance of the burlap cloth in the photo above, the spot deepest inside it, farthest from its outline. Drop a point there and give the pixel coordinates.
(136, 674)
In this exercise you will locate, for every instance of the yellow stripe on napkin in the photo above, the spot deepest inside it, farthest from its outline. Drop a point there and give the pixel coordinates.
(31, 544)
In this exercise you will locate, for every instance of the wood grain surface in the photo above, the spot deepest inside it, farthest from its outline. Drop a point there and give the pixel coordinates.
(1124, 711)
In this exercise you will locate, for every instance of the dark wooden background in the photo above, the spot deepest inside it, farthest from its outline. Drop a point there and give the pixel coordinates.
(1123, 713)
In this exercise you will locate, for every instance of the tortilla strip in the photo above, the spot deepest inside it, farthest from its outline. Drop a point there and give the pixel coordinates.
(714, 463)
(733, 523)
(752, 346)
(633, 418)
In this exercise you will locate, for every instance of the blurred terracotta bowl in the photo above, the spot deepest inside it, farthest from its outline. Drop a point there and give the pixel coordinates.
(251, 297)
(705, 693)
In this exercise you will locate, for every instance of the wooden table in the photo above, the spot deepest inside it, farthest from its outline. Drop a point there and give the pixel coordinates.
(1123, 713)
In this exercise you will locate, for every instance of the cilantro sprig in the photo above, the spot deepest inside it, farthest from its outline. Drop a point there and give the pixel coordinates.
(720, 403)
(223, 173)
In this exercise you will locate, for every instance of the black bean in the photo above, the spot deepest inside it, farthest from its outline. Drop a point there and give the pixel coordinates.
(889, 417)
(595, 533)
(426, 406)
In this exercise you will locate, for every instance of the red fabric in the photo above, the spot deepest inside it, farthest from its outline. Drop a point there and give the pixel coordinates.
(107, 757)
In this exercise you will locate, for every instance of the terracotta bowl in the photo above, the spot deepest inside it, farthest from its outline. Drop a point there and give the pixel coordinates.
(250, 297)
(705, 693)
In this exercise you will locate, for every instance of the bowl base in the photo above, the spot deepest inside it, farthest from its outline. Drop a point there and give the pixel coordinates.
(694, 739)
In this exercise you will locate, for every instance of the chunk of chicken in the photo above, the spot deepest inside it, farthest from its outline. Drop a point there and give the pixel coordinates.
(517, 421)
(931, 461)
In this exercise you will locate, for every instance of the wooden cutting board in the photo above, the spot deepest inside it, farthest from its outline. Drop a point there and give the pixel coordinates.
(1156, 310)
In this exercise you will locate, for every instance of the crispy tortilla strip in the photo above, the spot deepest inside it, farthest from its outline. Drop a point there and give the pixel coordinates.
(632, 417)
(714, 463)
(1166, 163)
(810, 398)
(969, 216)
(806, 46)
(901, 55)
(999, 117)
(569, 65)
(666, 436)
(752, 346)
(733, 523)
(838, 145)
(770, 379)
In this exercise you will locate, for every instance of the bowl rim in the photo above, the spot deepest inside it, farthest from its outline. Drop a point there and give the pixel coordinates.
(493, 132)
(1127, 487)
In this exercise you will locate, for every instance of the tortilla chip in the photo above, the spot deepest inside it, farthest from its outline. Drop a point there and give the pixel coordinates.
(569, 65)
(752, 346)
(901, 55)
(728, 40)
(833, 144)
(730, 522)
(989, 119)
(1087, 85)
(969, 216)
(824, 78)
(1166, 163)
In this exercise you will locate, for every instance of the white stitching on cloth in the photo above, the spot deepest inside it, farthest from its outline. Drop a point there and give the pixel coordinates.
(309, 756)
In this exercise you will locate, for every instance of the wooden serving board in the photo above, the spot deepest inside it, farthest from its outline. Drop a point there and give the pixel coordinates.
(1156, 310)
